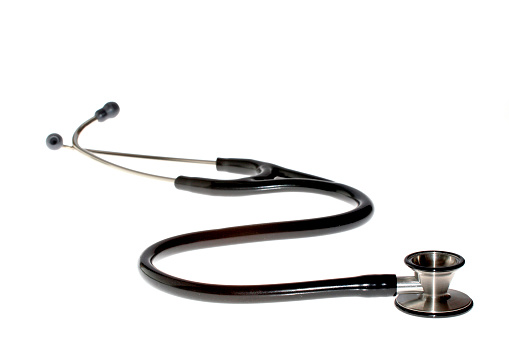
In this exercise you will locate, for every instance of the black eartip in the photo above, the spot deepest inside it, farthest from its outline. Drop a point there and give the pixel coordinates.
(110, 110)
(54, 141)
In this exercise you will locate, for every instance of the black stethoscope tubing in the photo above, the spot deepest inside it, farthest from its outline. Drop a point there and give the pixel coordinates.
(262, 178)
(266, 178)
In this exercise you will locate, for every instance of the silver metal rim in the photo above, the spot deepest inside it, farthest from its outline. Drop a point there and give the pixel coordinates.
(452, 304)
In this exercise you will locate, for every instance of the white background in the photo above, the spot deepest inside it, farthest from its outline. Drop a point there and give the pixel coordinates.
(407, 101)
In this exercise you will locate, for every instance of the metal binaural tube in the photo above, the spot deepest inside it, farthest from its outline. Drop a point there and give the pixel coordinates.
(153, 157)
(110, 110)
(83, 151)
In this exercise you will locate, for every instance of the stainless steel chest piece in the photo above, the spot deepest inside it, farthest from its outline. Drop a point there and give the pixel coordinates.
(434, 271)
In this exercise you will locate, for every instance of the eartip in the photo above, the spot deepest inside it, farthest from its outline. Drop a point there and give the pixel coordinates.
(110, 110)
(54, 141)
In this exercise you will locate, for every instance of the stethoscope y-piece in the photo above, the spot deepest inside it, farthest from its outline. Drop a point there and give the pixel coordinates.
(426, 293)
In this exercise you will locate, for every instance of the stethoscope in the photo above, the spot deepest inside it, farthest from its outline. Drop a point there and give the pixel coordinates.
(426, 293)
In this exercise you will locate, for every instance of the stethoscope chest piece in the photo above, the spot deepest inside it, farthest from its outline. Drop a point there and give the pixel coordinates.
(434, 270)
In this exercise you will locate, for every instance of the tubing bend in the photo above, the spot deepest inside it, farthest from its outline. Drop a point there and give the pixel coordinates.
(267, 178)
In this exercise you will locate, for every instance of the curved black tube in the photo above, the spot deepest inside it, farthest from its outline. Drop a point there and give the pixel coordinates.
(267, 178)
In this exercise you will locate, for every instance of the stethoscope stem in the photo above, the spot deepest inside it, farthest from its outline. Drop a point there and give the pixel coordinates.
(408, 284)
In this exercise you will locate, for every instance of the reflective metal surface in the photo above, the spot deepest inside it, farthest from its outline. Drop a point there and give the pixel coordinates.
(408, 285)
(434, 261)
(434, 271)
(451, 304)
(90, 154)
(153, 157)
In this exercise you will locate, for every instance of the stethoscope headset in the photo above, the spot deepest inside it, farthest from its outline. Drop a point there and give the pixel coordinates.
(426, 293)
